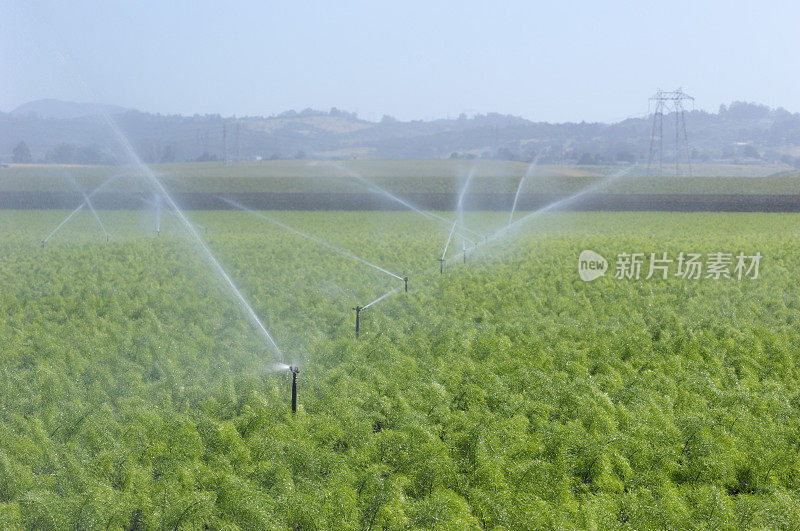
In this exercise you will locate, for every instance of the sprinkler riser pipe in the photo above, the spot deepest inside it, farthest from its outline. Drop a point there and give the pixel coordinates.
(294, 393)
(358, 319)
(295, 371)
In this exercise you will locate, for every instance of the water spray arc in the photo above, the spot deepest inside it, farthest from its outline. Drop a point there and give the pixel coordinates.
(461, 195)
(446, 245)
(528, 172)
(170, 202)
(359, 309)
(563, 202)
(79, 208)
(377, 189)
(88, 203)
(158, 215)
(309, 237)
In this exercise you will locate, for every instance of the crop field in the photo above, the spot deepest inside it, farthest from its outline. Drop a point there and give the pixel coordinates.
(505, 392)
(404, 176)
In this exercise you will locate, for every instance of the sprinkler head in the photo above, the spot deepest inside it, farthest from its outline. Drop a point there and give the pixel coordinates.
(295, 370)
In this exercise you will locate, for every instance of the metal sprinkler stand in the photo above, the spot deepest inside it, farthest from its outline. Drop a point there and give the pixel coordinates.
(295, 372)
(358, 318)
(441, 266)
(465, 254)
(405, 281)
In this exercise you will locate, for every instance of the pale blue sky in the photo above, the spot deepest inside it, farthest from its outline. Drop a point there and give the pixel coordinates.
(556, 61)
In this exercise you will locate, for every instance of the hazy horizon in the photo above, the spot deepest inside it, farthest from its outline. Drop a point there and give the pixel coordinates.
(554, 63)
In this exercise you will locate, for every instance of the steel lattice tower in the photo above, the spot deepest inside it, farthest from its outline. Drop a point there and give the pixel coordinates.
(666, 102)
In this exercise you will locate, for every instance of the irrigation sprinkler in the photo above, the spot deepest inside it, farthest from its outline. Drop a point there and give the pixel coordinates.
(358, 319)
(295, 371)
(405, 281)
(441, 265)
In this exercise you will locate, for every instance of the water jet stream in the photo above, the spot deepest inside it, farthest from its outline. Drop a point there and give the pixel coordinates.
(159, 187)
(562, 202)
(158, 214)
(379, 299)
(79, 207)
(377, 189)
(449, 237)
(88, 202)
(519, 187)
(309, 237)
(460, 204)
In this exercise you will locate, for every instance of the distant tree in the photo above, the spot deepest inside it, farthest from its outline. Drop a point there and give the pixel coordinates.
(342, 114)
(586, 159)
(206, 157)
(505, 154)
(625, 156)
(387, 119)
(22, 155)
(88, 155)
(63, 153)
(167, 154)
(704, 156)
(750, 152)
(300, 155)
(454, 155)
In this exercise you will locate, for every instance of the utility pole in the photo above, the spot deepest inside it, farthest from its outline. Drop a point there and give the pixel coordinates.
(238, 154)
(666, 102)
(224, 143)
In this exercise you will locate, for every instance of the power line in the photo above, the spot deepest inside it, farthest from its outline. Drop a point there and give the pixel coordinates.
(669, 101)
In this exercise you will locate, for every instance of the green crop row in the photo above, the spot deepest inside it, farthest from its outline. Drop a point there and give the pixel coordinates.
(402, 176)
(504, 393)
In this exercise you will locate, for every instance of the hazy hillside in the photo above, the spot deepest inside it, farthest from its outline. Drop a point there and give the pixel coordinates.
(65, 132)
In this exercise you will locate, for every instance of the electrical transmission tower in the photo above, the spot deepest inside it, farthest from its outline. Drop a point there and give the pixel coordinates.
(669, 102)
